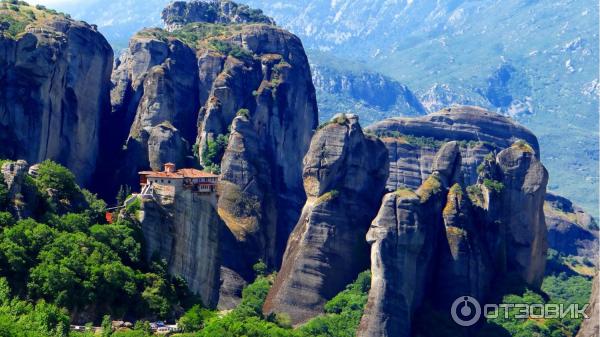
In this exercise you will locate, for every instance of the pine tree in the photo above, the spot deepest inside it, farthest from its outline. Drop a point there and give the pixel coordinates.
(124, 192)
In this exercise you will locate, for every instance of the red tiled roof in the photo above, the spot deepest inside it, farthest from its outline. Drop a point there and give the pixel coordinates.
(179, 174)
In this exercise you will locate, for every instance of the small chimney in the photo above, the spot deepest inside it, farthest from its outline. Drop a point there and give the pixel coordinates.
(170, 168)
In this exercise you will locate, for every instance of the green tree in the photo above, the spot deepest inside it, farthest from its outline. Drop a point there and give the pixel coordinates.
(194, 319)
(76, 270)
(124, 192)
(71, 222)
(96, 207)
(157, 294)
(260, 268)
(106, 326)
(6, 220)
(20, 246)
(253, 298)
(215, 149)
(121, 239)
(58, 178)
(343, 312)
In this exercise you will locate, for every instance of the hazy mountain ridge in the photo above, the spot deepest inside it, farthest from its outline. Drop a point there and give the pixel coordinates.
(533, 60)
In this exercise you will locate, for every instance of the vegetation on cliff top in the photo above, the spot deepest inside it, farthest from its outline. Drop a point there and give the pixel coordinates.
(430, 186)
(199, 35)
(15, 16)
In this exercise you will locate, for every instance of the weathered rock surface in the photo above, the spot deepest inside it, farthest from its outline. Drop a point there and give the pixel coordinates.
(344, 175)
(180, 13)
(55, 80)
(183, 228)
(154, 110)
(165, 145)
(489, 213)
(178, 98)
(413, 142)
(591, 327)
(273, 95)
(522, 200)
(466, 123)
(13, 174)
(465, 265)
(571, 230)
(403, 241)
(18, 196)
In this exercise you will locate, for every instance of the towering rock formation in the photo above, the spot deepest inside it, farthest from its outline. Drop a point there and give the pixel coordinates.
(154, 109)
(413, 142)
(55, 80)
(179, 13)
(478, 226)
(520, 208)
(183, 227)
(227, 90)
(344, 176)
(403, 240)
(279, 117)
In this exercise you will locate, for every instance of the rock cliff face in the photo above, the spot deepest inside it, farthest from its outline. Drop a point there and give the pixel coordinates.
(403, 239)
(236, 99)
(478, 209)
(413, 142)
(571, 230)
(13, 177)
(55, 79)
(183, 228)
(521, 210)
(180, 13)
(274, 98)
(591, 327)
(344, 176)
(154, 109)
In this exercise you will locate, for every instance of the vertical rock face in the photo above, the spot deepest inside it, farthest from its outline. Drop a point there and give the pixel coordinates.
(154, 109)
(464, 259)
(261, 182)
(237, 96)
(183, 228)
(344, 176)
(401, 238)
(55, 80)
(484, 211)
(404, 244)
(524, 179)
(413, 142)
(165, 145)
(591, 327)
